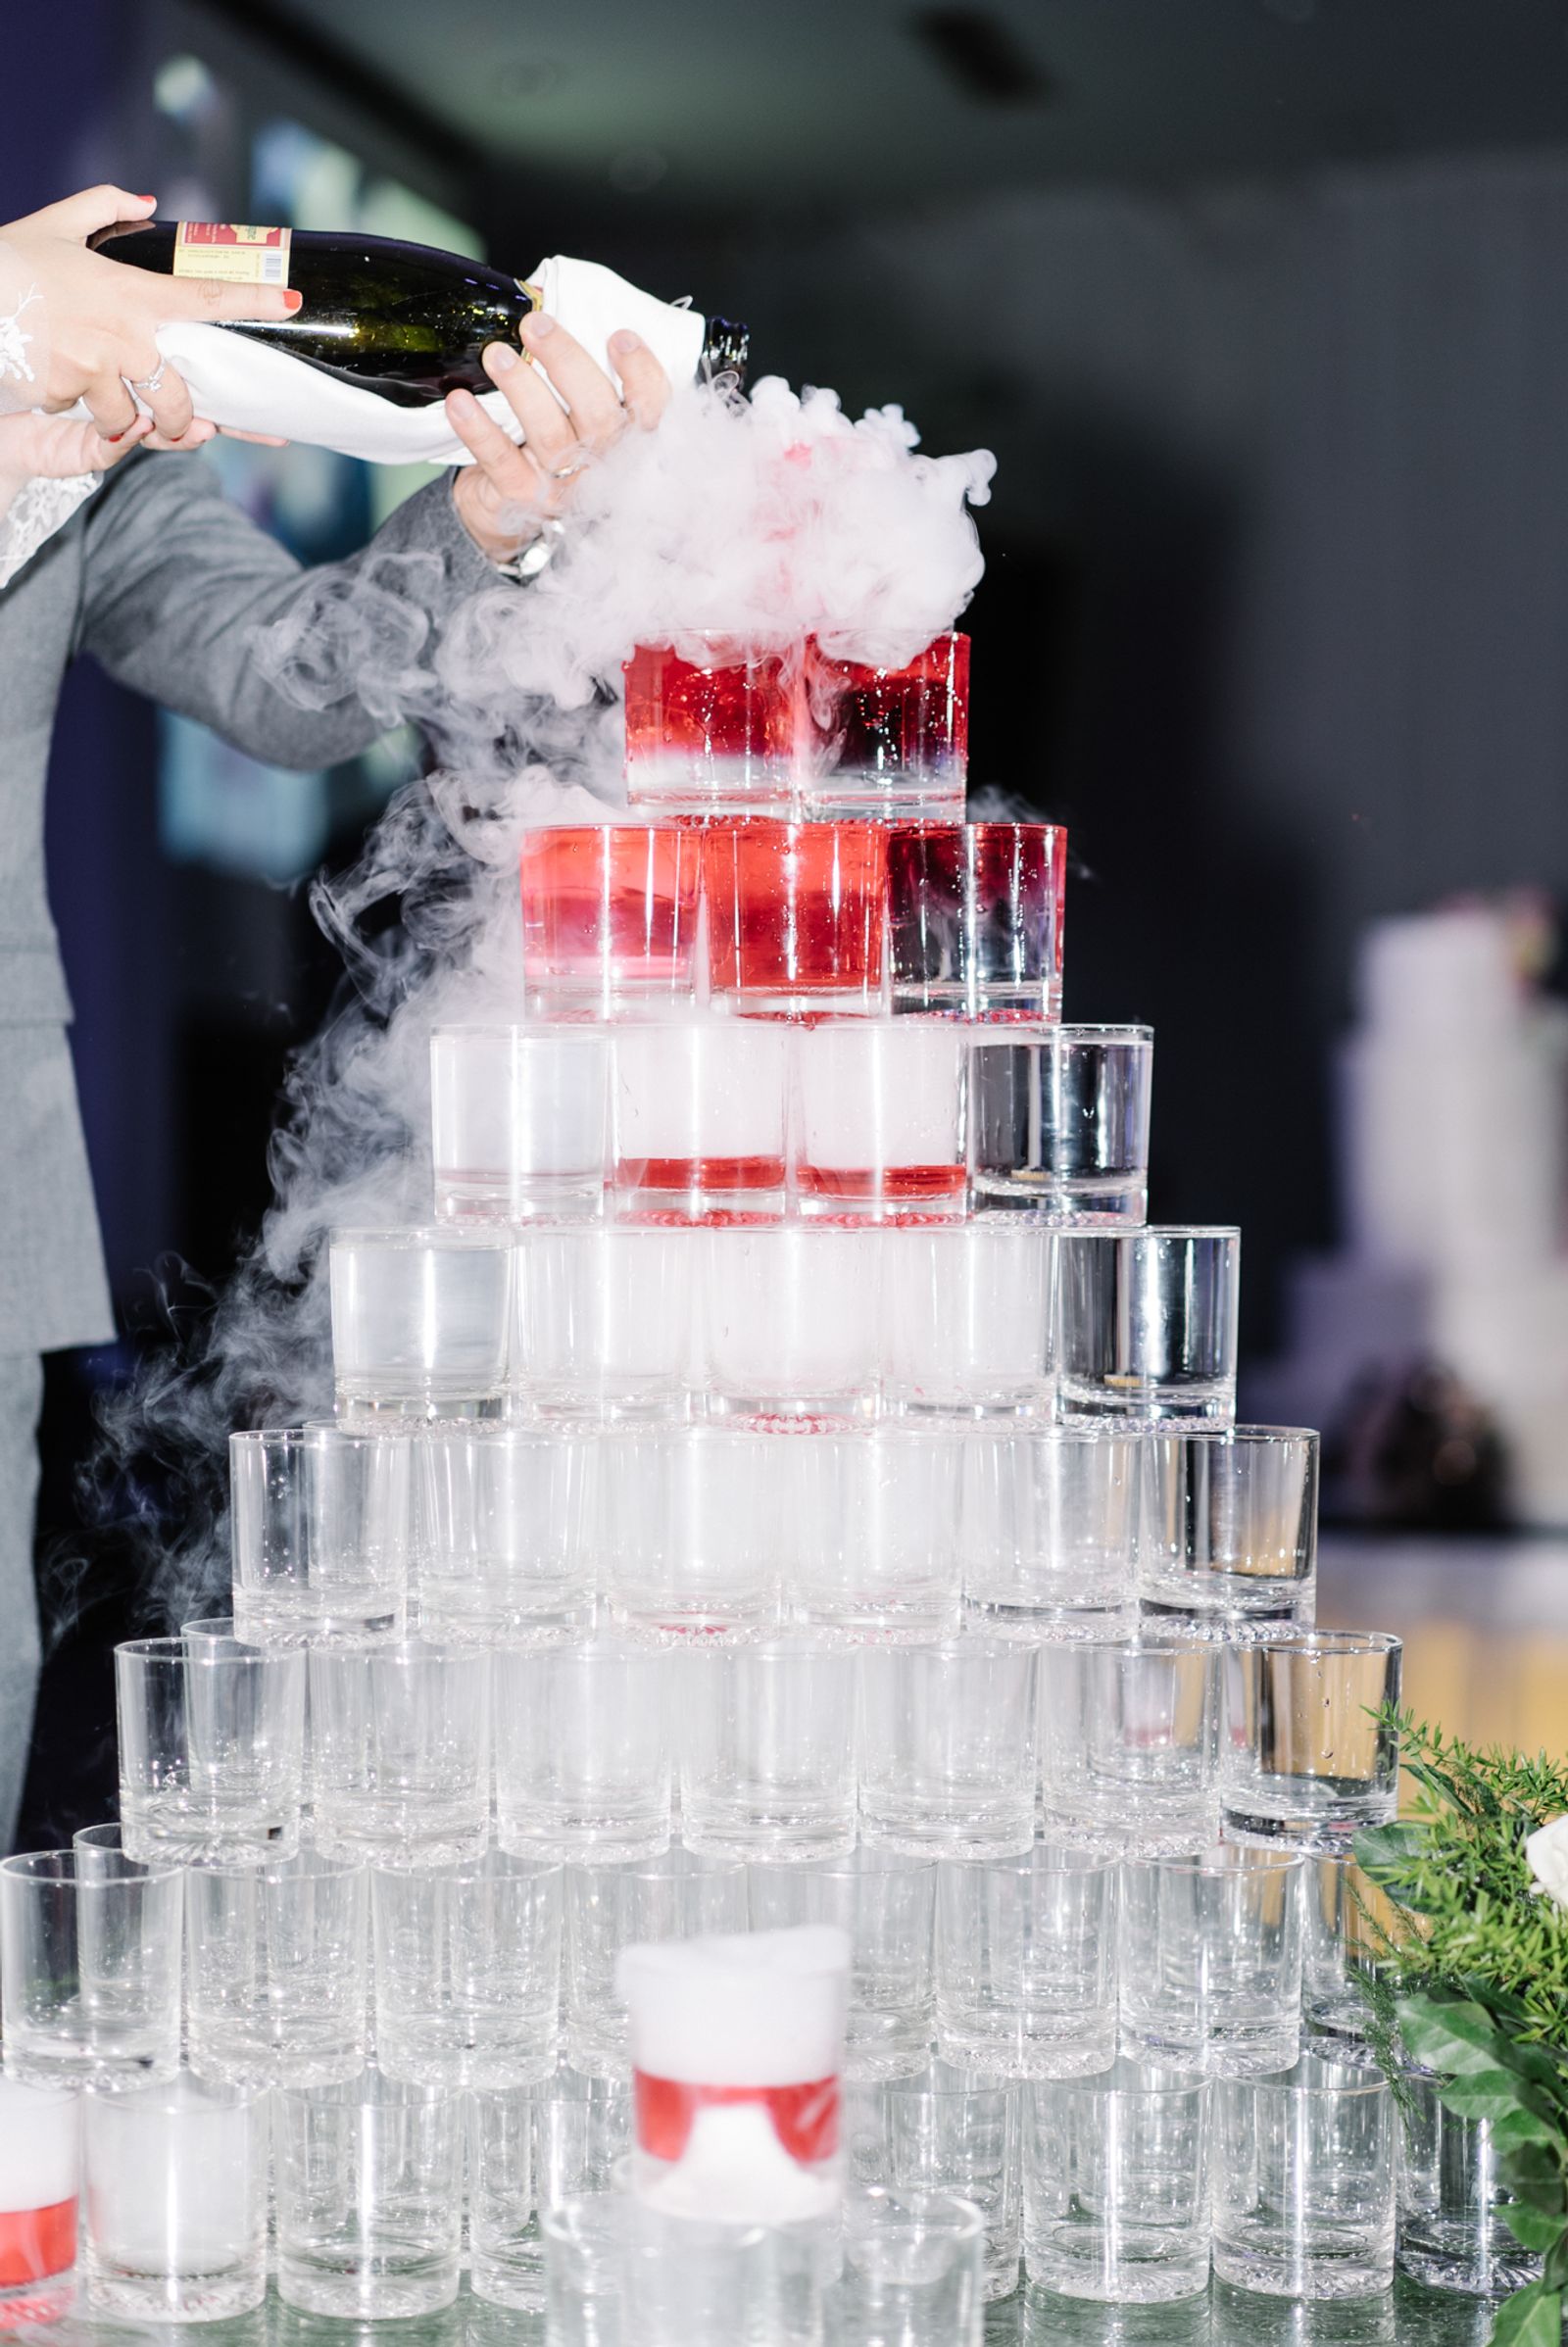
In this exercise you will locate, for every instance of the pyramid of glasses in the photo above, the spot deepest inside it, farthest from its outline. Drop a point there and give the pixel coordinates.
(786, 1480)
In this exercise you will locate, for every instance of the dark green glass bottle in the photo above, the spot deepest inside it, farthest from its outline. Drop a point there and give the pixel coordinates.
(405, 320)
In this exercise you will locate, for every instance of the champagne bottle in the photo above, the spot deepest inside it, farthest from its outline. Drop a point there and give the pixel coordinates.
(406, 321)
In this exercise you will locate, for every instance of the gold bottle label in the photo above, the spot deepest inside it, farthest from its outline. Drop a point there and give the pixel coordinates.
(236, 255)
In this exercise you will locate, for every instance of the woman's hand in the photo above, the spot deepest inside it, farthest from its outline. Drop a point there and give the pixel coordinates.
(505, 495)
(99, 318)
(57, 447)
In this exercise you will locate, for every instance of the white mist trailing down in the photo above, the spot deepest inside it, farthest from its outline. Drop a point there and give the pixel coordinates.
(760, 520)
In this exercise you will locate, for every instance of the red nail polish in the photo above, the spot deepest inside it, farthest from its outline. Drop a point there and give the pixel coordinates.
(293, 301)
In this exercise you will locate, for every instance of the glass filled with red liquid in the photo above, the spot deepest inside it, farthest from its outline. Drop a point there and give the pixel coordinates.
(796, 914)
(888, 741)
(609, 916)
(975, 918)
(710, 729)
(39, 2165)
(879, 1118)
(698, 1118)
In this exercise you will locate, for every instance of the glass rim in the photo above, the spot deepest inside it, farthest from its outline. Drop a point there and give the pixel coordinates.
(1247, 1434)
(952, 2212)
(328, 1433)
(404, 1651)
(308, 1865)
(1151, 2081)
(64, 1865)
(175, 1647)
(1226, 1858)
(1330, 1641)
(1050, 1034)
(534, 1030)
(1046, 1858)
(984, 1646)
(699, 1868)
(1358, 2078)
(181, 2093)
(408, 1238)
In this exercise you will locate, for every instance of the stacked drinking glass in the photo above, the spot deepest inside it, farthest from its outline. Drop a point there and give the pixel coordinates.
(787, 1480)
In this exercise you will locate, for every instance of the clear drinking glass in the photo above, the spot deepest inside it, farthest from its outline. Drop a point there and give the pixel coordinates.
(419, 1321)
(968, 1319)
(1305, 2182)
(275, 1972)
(1115, 2185)
(796, 914)
(689, 2280)
(1026, 1964)
(467, 1972)
(1059, 1124)
(975, 913)
(609, 917)
(584, 1764)
(1229, 1537)
(584, 2264)
(1128, 1746)
(89, 1970)
(400, 1754)
(767, 1750)
(532, 2150)
(175, 2202)
(1146, 1323)
(604, 1321)
(693, 1528)
(711, 728)
(40, 2186)
(1050, 1531)
(945, 2131)
(699, 1109)
(211, 1749)
(947, 1761)
(890, 742)
(318, 1522)
(790, 1321)
(518, 1118)
(1212, 1961)
(368, 2184)
(1311, 1751)
(887, 1904)
(675, 1896)
(1452, 2234)
(913, 2270)
(876, 1515)
(1350, 1926)
(503, 1534)
(879, 1118)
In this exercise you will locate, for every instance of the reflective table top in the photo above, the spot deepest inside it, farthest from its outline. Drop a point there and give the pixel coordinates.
(1405, 2317)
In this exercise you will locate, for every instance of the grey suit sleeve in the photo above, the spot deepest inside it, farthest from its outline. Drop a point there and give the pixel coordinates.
(177, 581)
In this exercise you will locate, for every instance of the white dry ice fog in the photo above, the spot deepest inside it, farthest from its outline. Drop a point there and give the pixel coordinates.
(759, 519)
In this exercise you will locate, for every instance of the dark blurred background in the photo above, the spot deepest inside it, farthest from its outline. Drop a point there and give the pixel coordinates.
(1262, 306)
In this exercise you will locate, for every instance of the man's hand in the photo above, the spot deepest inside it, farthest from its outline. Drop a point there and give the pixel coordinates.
(508, 491)
(100, 317)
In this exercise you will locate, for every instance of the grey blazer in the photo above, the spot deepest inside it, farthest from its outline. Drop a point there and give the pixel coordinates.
(163, 582)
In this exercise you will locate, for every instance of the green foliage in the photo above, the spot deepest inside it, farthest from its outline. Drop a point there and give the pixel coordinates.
(1456, 1868)
(1475, 1973)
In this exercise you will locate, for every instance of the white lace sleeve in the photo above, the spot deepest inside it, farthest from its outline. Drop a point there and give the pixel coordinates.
(35, 513)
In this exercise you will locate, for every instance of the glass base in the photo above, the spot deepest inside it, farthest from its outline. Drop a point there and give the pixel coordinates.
(767, 1841)
(399, 1843)
(1460, 2258)
(818, 1411)
(31, 2305)
(131, 2296)
(887, 2045)
(1180, 1620)
(1346, 2274)
(367, 1411)
(381, 2284)
(708, 784)
(846, 795)
(1241, 2054)
(922, 1834)
(880, 1625)
(516, 2282)
(588, 1845)
(1117, 1203)
(1132, 1401)
(1079, 2050)
(1045, 1624)
(1132, 2280)
(1331, 1834)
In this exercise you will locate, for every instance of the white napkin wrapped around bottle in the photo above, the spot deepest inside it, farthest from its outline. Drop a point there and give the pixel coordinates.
(251, 387)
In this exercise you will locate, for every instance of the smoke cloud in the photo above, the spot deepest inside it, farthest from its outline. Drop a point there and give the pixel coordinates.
(758, 520)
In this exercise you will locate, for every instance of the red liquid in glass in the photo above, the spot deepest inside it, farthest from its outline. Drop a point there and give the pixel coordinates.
(736, 711)
(974, 912)
(795, 908)
(912, 721)
(612, 902)
(699, 1175)
(895, 1184)
(37, 2243)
